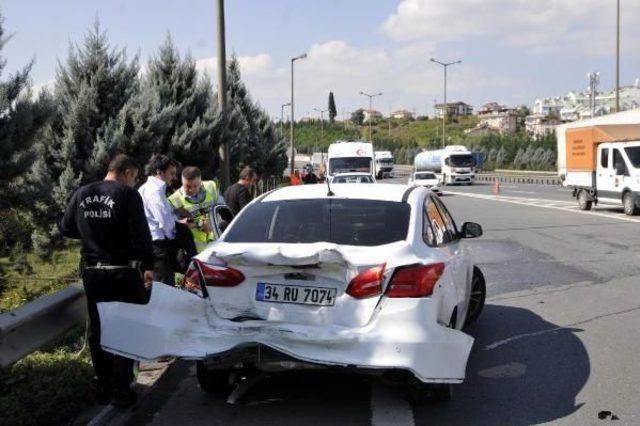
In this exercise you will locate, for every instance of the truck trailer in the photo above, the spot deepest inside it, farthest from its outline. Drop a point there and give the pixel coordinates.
(601, 163)
(454, 164)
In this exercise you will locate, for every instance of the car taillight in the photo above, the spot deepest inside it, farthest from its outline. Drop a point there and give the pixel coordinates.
(367, 283)
(415, 280)
(214, 276)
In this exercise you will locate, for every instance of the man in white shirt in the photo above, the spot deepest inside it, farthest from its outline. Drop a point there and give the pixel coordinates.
(161, 217)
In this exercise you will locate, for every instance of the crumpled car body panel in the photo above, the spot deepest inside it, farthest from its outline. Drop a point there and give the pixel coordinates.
(403, 335)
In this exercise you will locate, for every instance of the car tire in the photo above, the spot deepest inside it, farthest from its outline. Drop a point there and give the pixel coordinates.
(629, 203)
(583, 200)
(477, 296)
(216, 382)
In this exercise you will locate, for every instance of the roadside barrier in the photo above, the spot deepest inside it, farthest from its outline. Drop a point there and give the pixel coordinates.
(39, 322)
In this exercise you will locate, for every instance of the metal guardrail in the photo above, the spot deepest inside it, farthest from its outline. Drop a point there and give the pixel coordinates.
(530, 179)
(39, 322)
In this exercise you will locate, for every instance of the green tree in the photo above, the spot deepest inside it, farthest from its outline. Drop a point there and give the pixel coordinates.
(332, 108)
(90, 90)
(20, 121)
(172, 114)
(251, 134)
(357, 116)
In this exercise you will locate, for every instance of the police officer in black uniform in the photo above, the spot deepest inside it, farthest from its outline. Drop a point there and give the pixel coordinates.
(117, 262)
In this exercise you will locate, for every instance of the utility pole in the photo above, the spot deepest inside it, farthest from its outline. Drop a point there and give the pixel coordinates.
(618, 56)
(223, 150)
(445, 65)
(370, 111)
(594, 80)
(321, 111)
(282, 118)
(293, 155)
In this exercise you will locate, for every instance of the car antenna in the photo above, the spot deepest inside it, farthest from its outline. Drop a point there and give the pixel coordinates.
(330, 193)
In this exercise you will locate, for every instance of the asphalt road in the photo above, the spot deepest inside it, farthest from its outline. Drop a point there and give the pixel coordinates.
(558, 341)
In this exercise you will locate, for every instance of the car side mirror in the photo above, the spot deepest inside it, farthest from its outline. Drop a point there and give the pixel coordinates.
(471, 230)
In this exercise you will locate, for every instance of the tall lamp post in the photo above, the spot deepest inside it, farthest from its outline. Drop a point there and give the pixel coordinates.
(282, 118)
(223, 150)
(370, 110)
(321, 111)
(293, 155)
(445, 65)
(618, 56)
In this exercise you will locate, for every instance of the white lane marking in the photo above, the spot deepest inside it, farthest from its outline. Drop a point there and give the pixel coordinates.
(548, 204)
(521, 192)
(388, 407)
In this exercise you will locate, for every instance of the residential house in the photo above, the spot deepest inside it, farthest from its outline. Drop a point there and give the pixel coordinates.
(402, 114)
(453, 109)
(539, 125)
(497, 119)
(371, 114)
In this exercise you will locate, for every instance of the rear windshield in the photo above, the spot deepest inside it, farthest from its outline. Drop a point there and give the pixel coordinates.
(339, 221)
(349, 164)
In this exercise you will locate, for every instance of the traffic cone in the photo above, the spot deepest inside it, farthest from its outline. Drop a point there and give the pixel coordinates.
(496, 187)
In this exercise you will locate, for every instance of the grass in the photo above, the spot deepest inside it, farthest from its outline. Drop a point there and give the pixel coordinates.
(27, 277)
(50, 386)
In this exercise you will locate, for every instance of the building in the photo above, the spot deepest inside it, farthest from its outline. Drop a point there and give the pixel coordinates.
(402, 114)
(539, 125)
(578, 105)
(371, 114)
(498, 117)
(453, 109)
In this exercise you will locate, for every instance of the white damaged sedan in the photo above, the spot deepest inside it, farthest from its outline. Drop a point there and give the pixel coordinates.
(374, 277)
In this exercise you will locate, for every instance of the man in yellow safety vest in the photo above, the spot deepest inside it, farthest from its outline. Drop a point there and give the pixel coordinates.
(195, 200)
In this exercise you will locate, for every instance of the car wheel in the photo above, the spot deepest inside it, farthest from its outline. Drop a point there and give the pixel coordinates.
(477, 296)
(583, 200)
(629, 202)
(215, 382)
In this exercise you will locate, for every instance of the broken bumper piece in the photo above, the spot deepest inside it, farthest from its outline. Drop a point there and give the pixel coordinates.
(403, 334)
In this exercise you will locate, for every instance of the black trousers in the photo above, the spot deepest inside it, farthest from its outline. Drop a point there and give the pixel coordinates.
(110, 285)
(185, 246)
(164, 261)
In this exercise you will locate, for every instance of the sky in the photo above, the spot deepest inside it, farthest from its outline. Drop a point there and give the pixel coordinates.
(512, 51)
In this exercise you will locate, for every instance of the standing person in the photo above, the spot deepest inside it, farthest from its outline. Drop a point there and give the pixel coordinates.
(194, 201)
(117, 260)
(295, 178)
(238, 195)
(310, 178)
(161, 217)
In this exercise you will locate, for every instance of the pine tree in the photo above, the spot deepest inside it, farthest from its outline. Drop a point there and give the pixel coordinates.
(173, 114)
(21, 119)
(332, 108)
(90, 90)
(252, 136)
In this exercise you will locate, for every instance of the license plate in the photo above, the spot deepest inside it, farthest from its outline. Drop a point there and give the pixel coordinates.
(282, 293)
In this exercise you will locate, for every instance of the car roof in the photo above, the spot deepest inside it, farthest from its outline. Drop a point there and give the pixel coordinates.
(378, 191)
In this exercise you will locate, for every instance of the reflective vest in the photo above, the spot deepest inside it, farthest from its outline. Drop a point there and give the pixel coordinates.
(199, 211)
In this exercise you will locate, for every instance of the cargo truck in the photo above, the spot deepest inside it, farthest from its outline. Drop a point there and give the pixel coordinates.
(601, 163)
(350, 156)
(453, 164)
(384, 164)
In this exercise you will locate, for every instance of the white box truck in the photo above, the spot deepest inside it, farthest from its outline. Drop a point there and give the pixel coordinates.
(453, 164)
(350, 156)
(601, 163)
(384, 164)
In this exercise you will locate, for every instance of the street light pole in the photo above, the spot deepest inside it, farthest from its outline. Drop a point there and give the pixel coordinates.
(370, 110)
(618, 56)
(223, 150)
(293, 156)
(282, 118)
(445, 65)
(321, 111)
